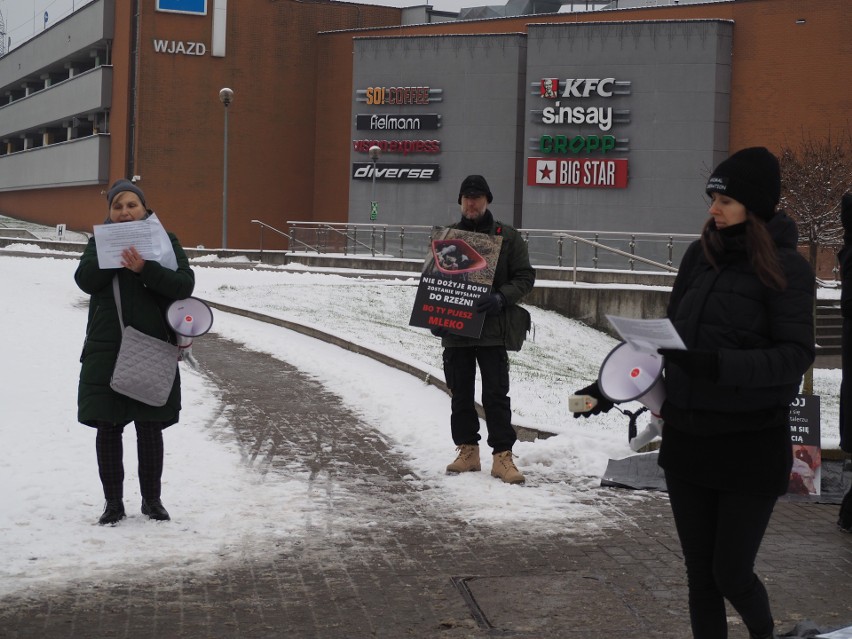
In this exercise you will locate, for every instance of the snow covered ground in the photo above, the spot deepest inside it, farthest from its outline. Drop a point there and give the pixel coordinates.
(51, 494)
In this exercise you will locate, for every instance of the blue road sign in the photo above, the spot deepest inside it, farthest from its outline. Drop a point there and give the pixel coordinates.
(197, 7)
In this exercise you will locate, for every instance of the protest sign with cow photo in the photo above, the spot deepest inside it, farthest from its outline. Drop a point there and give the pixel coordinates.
(458, 270)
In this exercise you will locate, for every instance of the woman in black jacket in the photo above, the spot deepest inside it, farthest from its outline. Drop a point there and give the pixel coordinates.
(845, 259)
(742, 302)
(147, 288)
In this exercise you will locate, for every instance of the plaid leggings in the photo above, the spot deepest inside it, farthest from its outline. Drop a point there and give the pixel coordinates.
(149, 445)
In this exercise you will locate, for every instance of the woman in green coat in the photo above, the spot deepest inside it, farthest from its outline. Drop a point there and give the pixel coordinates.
(147, 289)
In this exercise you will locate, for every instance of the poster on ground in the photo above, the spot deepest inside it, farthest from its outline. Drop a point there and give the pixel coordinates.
(457, 272)
(806, 475)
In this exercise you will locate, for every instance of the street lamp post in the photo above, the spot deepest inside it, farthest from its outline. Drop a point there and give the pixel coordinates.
(375, 153)
(226, 96)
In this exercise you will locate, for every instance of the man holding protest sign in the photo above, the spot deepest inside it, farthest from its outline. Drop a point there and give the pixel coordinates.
(504, 328)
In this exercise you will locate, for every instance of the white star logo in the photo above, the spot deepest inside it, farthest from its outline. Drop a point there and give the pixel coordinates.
(545, 172)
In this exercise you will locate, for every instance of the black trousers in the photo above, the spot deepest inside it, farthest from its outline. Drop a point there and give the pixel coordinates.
(460, 374)
(720, 533)
(149, 448)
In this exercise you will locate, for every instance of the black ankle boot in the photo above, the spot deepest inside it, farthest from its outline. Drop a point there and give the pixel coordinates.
(113, 512)
(154, 509)
(845, 519)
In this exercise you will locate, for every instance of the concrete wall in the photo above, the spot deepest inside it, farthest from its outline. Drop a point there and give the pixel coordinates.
(592, 305)
(670, 111)
(477, 81)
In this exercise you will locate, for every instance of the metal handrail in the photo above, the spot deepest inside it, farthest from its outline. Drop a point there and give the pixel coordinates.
(280, 232)
(353, 237)
(533, 236)
(632, 256)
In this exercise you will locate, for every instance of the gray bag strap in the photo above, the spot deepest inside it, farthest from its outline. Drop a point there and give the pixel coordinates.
(117, 293)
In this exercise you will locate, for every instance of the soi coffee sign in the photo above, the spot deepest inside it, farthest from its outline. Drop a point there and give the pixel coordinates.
(580, 173)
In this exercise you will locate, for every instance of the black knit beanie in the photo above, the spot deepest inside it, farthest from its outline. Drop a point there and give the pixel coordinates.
(119, 186)
(474, 186)
(752, 177)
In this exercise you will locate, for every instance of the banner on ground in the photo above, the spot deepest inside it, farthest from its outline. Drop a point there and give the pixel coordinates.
(806, 475)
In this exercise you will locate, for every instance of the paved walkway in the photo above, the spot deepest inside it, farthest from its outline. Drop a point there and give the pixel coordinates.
(420, 574)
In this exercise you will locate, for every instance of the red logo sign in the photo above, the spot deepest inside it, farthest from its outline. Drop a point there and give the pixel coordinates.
(549, 88)
(579, 173)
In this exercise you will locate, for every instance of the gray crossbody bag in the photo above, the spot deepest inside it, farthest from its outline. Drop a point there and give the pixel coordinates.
(146, 366)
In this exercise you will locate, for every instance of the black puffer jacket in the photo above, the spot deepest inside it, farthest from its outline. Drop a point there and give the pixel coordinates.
(144, 300)
(765, 339)
(845, 259)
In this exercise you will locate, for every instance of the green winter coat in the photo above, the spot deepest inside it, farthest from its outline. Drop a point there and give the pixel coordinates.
(144, 300)
(514, 277)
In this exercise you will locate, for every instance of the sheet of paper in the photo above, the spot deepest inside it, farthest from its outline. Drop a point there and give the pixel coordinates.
(843, 633)
(162, 245)
(648, 335)
(112, 239)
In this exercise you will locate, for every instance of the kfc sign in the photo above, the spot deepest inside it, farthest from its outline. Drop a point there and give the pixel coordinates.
(579, 173)
(578, 87)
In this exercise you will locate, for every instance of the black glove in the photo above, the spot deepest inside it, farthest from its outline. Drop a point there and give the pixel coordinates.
(697, 364)
(603, 406)
(491, 304)
(440, 332)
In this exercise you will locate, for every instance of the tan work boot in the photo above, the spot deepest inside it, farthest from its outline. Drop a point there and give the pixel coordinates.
(504, 468)
(468, 459)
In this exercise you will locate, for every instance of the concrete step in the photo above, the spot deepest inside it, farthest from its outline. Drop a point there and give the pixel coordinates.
(828, 340)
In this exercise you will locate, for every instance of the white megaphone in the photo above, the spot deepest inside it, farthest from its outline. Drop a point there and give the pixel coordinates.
(630, 375)
(189, 318)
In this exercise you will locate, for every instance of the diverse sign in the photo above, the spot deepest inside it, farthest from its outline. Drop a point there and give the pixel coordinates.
(415, 122)
(580, 172)
(403, 172)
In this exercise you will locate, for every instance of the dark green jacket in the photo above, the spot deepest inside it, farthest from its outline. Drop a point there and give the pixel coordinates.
(144, 300)
(513, 277)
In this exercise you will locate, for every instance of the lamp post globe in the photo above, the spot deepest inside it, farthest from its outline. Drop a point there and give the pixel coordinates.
(226, 96)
